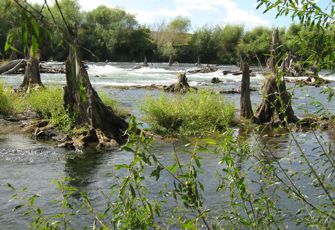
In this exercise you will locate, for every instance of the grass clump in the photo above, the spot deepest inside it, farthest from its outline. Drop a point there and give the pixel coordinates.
(49, 104)
(6, 106)
(118, 110)
(191, 114)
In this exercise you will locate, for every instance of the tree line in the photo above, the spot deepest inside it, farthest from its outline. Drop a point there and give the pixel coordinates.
(113, 34)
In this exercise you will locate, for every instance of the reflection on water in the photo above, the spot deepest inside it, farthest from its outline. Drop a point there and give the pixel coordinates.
(83, 167)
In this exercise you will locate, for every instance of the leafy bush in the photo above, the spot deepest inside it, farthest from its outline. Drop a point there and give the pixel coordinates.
(190, 114)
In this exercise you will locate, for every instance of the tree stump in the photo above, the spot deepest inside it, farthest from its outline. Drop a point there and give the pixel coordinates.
(83, 103)
(245, 102)
(276, 99)
(181, 86)
(32, 76)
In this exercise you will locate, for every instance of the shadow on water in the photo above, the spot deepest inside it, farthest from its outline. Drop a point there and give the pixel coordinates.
(271, 142)
(83, 167)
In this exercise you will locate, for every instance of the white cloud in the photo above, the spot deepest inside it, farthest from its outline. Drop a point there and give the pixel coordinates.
(148, 17)
(230, 11)
(233, 14)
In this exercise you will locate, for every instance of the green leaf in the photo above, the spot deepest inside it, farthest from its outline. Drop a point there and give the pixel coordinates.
(34, 45)
(17, 207)
(9, 41)
(35, 26)
(132, 190)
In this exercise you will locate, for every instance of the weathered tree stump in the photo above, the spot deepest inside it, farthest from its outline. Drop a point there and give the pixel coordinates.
(245, 102)
(181, 86)
(83, 103)
(32, 76)
(276, 99)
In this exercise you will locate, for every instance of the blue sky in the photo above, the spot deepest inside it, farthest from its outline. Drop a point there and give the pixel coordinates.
(200, 12)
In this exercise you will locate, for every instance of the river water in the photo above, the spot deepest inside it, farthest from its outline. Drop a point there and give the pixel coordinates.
(31, 164)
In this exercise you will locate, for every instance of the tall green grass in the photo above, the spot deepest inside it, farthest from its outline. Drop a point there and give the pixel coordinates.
(47, 103)
(5, 104)
(190, 114)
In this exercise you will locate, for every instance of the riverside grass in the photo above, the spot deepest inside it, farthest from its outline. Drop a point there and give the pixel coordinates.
(190, 114)
(5, 103)
(48, 103)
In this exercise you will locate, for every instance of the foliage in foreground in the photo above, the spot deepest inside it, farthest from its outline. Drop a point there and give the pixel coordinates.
(190, 114)
(250, 182)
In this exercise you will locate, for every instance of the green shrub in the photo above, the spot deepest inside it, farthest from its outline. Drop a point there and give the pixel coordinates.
(189, 114)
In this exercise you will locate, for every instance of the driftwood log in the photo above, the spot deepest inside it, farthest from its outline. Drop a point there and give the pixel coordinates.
(12, 66)
(18, 67)
(235, 73)
(205, 69)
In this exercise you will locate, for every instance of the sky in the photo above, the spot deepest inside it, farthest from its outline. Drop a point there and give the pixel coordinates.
(200, 12)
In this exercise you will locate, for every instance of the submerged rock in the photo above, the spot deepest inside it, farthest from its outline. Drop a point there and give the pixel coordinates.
(215, 80)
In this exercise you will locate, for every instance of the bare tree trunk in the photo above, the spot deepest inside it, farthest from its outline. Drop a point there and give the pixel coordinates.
(274, 47)
(32, 77)
(198, 61)
(245, 102)
(84, 104)
(170, 60)
(145, 61)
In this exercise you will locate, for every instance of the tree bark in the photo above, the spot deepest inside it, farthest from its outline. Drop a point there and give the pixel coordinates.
(274, 47)
(32, 77)
(245, 102)
(83, 103)
(276, 99)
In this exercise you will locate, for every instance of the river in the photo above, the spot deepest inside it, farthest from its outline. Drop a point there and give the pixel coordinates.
(31, 164)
